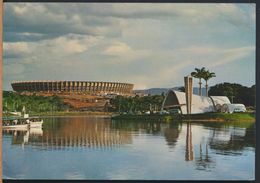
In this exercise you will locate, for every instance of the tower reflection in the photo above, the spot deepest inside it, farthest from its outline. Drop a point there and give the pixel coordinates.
(189, 146)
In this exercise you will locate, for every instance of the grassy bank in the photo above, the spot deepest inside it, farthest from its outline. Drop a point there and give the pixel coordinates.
(151, 117)
(220, 117)
(71, 113)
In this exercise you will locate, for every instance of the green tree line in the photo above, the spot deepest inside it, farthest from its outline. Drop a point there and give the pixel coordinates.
(137, 104)
(14, 102)
(235, 92)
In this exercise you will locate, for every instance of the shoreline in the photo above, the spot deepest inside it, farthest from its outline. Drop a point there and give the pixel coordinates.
(206, 117)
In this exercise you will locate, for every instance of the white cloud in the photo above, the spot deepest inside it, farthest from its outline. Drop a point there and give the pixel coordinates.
(231, 55)
(118, 49)
(68, 45)
(150, 45)
(16, 49)
(217, 56)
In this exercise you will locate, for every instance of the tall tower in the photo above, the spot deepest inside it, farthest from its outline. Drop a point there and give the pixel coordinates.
(188, 80)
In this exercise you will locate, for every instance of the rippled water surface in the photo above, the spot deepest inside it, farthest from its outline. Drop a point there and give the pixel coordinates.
(98, 148)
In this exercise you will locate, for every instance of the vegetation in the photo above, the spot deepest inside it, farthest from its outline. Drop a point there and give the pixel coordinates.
(15, 102)
(205, 117)
(206, 76)
(199, 74)
(242, 117)
(137, 104)
(236, 93)
(203, 74)
(148, 118)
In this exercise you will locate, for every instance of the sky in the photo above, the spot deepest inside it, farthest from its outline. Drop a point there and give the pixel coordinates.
(148, 45)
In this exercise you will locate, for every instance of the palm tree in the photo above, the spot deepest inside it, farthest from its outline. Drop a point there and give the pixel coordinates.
(199, 74)
(206, 76)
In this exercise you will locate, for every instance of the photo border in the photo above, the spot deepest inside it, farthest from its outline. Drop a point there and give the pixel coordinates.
(257, 127)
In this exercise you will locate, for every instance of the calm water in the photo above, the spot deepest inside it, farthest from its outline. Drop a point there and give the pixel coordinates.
(98, 148)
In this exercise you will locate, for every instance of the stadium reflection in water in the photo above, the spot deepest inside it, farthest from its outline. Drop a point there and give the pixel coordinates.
(71, 132)
(197, 148)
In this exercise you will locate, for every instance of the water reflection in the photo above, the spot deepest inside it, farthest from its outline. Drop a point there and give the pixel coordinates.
(189, 147)
(72, 132)
(204, 161)
(235, 142)
(124, 147)
(103, 133)
(169, 131)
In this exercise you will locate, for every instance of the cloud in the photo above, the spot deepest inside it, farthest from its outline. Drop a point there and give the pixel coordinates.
(118, 48)
(234, 54)
(70, 44)
(54, 20)
(15, 50)
(150, 45)
(60, 46)
(218, 56)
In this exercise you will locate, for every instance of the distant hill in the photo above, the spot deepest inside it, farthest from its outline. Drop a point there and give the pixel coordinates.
(159, 91)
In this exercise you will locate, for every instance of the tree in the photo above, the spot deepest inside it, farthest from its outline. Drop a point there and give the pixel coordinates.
(199, 74)
(207, 76)
(240, 94)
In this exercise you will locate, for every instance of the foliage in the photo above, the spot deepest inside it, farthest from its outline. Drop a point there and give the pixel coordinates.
(137, 104)
(206, 76)
(14, 102)
(239, 93)
(199, 74)
(239, 117)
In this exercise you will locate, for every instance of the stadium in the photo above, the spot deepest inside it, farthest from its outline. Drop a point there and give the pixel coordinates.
(73, 87)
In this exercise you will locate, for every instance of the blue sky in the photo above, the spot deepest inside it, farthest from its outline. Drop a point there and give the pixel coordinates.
(149, 45)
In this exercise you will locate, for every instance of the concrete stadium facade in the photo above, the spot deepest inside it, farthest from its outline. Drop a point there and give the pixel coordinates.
(73, 87)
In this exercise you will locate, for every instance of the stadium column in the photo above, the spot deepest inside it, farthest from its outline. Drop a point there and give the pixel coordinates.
(123, 88)
(115, 88)
(76, 86)
(80, 87)
(84, 87)
(101, 86)
(97, 87)
(52, 86)
(93, 86)
(48, 87)
(105, 86)
(67, 86)
(118, 88)
(57, 86)
(71, 86)
(62, 86)
(112, 87)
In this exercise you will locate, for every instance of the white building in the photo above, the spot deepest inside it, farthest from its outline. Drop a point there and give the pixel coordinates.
(200, 104)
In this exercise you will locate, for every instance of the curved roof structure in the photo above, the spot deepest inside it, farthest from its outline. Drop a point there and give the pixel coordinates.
(176, 99)
(220, 100)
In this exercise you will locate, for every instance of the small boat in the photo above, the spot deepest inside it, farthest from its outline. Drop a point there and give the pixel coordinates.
(15, 124)
(35, 122)
(22, 123)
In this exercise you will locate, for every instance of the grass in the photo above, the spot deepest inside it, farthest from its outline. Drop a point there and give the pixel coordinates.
(221, 117)
(207, 117)
(70, 113)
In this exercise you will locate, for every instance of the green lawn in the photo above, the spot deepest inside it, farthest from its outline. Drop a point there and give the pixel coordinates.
(222, 116)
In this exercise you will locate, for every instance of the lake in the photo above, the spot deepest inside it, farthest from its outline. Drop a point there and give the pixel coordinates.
(99, 148)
